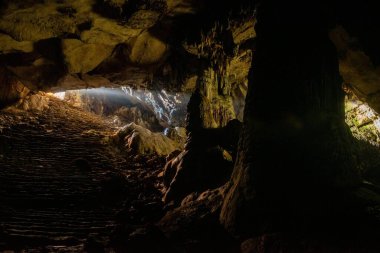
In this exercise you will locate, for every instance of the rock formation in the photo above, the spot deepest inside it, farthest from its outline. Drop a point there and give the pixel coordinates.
(264, 151)
(142, 141)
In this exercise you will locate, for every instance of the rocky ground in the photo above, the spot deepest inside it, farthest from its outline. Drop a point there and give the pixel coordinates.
(63, 188)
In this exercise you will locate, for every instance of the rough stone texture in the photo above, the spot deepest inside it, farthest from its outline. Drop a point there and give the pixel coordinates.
(144, 118)
(38, 101)
(148, 50)
(177, 134)
(134, 43)
(11, 90)
(142, 141)
(357, 68)
(204, 164)
(294, 94)
(81, 57)
(193, 227)
(363, 121)
(84, 38)
(59, 45)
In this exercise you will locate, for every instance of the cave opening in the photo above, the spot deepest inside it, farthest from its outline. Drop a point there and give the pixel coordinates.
(158, 111)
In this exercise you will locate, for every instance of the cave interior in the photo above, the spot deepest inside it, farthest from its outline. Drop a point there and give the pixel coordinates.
(186, 126)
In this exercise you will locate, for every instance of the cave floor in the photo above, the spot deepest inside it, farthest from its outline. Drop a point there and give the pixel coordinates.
(62, 186)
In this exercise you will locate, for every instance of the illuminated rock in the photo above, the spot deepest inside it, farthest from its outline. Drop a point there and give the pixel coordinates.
(140, 140)
(38, 102)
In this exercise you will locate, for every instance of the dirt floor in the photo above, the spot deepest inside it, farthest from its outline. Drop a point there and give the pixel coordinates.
(64, 188)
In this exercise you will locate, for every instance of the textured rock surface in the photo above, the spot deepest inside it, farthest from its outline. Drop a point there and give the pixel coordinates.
(204, 164)
(363, 121)
(194, 227)
(11, 90)
(357, 68)
(295, 94)
(142, 141)
(37, 102)
(88, 43)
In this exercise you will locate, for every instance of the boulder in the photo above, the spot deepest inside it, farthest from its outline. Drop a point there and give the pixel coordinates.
(35, 102)
(135, 138)
(148, 50)
(177, 134)
(11, 90)
(81, 57)
(138, 115)
(196, 171)
(206, 162)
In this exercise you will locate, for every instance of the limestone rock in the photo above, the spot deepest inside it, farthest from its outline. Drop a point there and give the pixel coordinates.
(195, 171)
(178, 134)
(171, 167)
(137, 115)
(142, 141)
(11, 89)
(148, 50)
(9, 45)
(356, 68)
(35, 102)
(108, 32)
(81, 57)
(143, 19)
(244, 32)
(195, 224)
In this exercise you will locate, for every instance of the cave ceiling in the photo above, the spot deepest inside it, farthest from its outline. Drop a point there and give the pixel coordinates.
(56, 45)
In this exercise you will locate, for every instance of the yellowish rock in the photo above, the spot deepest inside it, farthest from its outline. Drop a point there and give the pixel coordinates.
(357, 68)
(37, 23)
(148, 49)
(9, 45)
(138, 139)
(108, 32)
(81, 57)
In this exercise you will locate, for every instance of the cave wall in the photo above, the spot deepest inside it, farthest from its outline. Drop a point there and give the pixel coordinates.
(61, 45)
(294, 94)
(11, 89)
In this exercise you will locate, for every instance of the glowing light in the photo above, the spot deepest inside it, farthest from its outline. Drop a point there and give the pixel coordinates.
(363, 121)
(60, 95)
(165, 104)
(168, 107)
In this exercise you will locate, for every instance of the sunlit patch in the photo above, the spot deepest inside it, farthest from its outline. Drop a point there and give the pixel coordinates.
(168, 107)
(363, 121)
(59, 95)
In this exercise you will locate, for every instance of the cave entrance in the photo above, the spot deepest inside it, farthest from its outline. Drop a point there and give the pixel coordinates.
(158, 111)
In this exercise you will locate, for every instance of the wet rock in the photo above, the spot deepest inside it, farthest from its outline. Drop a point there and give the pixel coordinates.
(142, 141)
